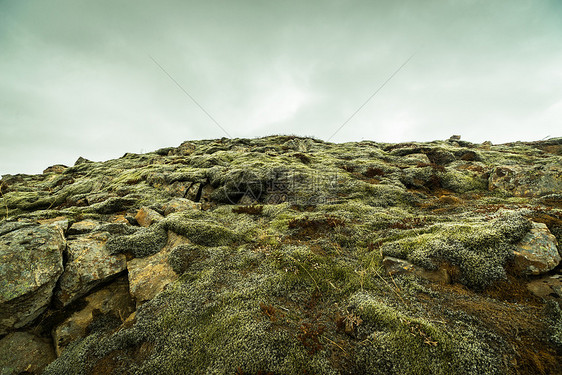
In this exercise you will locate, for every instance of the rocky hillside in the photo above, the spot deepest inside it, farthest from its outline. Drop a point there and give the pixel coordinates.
(286, 255)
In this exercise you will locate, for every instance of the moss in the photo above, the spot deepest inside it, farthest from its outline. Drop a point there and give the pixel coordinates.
(183, 256)
(480, 249)
(144, 242)
(206, 233)
(112, 205)
(554, 323)
(74, 359)
(398, 344)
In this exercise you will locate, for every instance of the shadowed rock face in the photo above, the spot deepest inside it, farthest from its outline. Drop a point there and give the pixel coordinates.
(288, 255)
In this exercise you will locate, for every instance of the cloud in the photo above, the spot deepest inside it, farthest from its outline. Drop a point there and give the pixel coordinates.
(78, 81)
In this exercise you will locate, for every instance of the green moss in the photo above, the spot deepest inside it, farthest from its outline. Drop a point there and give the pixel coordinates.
(554, 323)
(206, 233)
(398, 344)
(480, 249)
(74, 359)
(144, 242)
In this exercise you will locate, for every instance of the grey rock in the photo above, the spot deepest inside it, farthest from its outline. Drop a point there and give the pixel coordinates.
(88, 265)
(31, 261)
(527, 181)
(537, 252)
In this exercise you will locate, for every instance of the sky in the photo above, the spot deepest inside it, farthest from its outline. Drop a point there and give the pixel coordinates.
(98, 79)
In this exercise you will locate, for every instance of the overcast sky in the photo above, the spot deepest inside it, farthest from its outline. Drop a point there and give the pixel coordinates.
(81, 78)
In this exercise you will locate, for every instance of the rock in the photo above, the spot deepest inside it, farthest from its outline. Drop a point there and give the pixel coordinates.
(81, 160)
(31, 261)
(395, 266)
(59, 221)
(24, 353)
(527, 181)
(148, 276)
(455, 138)
(57, 169)
(547, 287)
(186, 148)
(146, 216)
(88, 265)
(82, 227)
(113, 300)
(193, 193)
(179, 204)
(486, 145)
(537, 252)
(440, 156)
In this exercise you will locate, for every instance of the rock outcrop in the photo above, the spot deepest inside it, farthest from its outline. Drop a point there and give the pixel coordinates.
(286, 255)
(31, 263)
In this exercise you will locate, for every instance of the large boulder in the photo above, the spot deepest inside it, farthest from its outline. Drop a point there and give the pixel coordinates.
(24, 353)
(31, 261)
(89, 264)
(537, 252)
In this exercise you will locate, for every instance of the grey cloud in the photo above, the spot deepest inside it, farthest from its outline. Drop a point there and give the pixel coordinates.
(78, 81)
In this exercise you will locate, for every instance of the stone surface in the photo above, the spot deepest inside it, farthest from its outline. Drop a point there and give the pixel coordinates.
(146, 216)
(179, 204)
(57, 169)
(537, 252)
(547, 287)
(24, 353)
(88, 265)
(395, 266)
(81, 227)
(113, 299)
(31, 261)
(148, 276)
(527, 181)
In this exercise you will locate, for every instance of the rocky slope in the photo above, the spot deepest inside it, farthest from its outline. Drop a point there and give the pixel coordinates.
(286, 255)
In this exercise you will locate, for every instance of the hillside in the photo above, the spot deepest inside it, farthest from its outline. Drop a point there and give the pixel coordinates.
(287, 255)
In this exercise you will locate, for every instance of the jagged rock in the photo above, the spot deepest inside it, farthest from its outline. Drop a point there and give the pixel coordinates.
(146, 216)
(179, 204)
(537, 252)
(148, 276)
(395, 266)
(24, 353)
(113, 300)
(88, 265)
(527, 181)
(31, 261)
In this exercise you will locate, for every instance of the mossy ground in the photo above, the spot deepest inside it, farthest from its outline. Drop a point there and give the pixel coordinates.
(283, 273)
